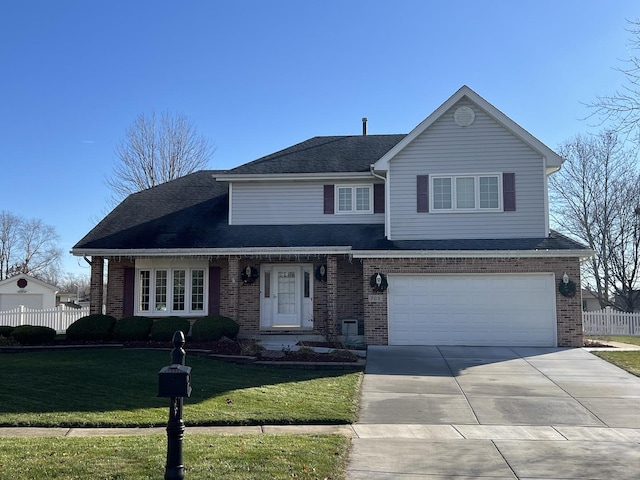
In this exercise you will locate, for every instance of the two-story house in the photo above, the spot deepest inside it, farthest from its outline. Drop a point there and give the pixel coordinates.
(436, 237)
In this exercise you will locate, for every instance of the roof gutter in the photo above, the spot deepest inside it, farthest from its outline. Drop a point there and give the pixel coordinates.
(470, 253)
(208, 252)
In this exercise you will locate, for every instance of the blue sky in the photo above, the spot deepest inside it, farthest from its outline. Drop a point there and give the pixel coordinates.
(259, 76)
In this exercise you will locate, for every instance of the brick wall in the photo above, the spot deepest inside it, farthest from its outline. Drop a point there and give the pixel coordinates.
(115, 286)
(96, 285)
(568, 310)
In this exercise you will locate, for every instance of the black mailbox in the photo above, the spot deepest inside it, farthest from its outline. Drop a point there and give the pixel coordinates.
(174, 381)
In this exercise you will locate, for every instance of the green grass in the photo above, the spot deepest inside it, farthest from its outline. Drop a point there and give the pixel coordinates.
(629, 361)
(112, 388)
(617, 338)
(143, 457)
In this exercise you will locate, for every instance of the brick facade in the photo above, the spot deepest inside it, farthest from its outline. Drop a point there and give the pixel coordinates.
(347, 293)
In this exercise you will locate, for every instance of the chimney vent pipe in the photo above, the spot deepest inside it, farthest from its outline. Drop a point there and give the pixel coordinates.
(364, 125)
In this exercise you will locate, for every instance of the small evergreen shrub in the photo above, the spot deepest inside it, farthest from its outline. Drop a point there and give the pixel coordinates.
(133, 328)
(5, 330)
(33, 335)
(212, 328)
(96, 327)
(163, 329)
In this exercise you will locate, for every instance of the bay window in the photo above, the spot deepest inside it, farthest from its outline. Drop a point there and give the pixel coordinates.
(171, 291)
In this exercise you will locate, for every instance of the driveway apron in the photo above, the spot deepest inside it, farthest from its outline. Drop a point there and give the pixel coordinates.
(495, 412)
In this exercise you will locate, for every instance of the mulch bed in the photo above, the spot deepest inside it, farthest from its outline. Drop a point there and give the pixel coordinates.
(232, 348)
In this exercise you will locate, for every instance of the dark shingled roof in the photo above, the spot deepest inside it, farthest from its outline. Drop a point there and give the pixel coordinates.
(192, 211)
(324, 154)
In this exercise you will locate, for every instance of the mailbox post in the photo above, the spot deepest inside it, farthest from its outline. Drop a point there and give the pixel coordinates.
(174, 382)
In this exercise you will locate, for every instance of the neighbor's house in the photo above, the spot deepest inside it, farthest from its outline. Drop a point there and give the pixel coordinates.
(452, 216)
(24, 290)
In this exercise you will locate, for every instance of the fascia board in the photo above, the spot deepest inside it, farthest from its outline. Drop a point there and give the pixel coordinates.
(552, 160)
(271, 177)
(471, 253)
(208, 252)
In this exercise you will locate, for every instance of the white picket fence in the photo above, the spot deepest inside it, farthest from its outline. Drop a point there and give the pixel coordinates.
(58, 318)
(610, 322)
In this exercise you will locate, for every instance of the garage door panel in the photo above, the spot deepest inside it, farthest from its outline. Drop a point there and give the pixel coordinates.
(472, 310)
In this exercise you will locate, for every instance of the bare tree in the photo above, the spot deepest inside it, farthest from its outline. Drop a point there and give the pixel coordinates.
(74, 283)
(595, 198)
(9, 233)
(28, 246)
(156, 150)
(621, 110)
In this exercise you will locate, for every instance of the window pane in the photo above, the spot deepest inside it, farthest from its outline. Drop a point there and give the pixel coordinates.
(267, 284)
(362, 199)
(307, 284)
(161, 290)
(465, 192)
(197, 290)
(441, 193)
(145, 289)
(489, 192)
(179, 287)
(344, 200)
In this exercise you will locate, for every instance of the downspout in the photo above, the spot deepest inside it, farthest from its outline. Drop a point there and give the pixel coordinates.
(386, 197)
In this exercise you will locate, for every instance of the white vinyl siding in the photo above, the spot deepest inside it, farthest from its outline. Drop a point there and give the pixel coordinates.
(483, 148)
(295, 203)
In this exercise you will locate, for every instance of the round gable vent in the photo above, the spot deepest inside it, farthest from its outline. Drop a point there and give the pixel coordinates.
(22, 283)
(464, 116)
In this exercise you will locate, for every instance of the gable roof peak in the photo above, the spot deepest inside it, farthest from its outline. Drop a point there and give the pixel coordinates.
(553, 161)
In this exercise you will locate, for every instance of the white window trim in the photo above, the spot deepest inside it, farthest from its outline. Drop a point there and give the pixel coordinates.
(353, 210)
(170, 269)
(476, 209)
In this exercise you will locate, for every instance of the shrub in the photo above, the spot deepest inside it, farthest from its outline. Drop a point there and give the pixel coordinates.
(133, 328)
(163, 329)
(33, 335)
(94, 327)
(5, 330)
(210, 329)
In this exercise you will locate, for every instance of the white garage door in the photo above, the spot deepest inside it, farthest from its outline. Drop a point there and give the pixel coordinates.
(10, 301)
(491, 310)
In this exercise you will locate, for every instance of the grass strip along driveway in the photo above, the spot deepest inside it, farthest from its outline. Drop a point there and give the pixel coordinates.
(205, 456)
(118, 388)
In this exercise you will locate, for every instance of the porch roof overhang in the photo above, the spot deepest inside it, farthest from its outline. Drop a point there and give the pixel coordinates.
(209, 252)
(472, 253)
(338, 250)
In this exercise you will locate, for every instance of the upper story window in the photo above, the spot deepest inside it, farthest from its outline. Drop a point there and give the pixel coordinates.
(354, 199)
(466, 192)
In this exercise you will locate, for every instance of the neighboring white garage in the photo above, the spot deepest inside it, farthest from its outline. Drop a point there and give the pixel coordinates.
(28, 292)
(490, 310)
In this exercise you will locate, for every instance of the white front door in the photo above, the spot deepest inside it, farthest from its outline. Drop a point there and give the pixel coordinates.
(286, 296)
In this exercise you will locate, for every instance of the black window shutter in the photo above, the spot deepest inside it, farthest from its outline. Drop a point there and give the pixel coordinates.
(214, 290)
(423, 193)
(329, 199)
(378, 198)
(509, 192)
(128, 289)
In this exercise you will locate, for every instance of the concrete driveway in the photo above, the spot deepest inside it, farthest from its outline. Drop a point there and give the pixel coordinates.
(495, 412)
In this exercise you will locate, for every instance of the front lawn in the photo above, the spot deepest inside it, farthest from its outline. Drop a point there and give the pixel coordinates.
(205, 457)
(114, 387)
(629, 361)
